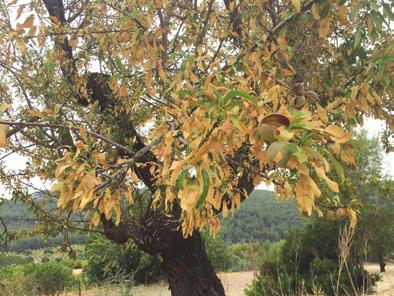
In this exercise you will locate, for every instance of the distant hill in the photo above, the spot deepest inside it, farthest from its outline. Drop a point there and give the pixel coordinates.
(17, 217)
(261, 218)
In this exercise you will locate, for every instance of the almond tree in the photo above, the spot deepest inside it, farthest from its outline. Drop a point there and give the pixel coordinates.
(181, 108)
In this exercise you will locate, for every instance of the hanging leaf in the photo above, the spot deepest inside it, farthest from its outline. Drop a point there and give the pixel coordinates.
(232, 94)
(297, 5)
(3, 135)
(205, 188)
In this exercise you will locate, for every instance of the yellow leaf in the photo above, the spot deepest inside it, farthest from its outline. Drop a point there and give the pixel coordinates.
(28, 22)
(337, 134)
(86, 189)
(320, 172)
(122, 91)
(117, 212)
(297, 5)
(352, 217)
(107, 204)
(162, 74)
(282, 42)
(61, 166)
(3, 135)
(96, 219)
(322, 113)
(193, 78)
(306, 190)
(66, 194)
(4, 106)
(343, 15)
(272, 96)
(315, 12)
(324, 28)
(189, 197)
(129, 196)
(176, 168)
(21, 45)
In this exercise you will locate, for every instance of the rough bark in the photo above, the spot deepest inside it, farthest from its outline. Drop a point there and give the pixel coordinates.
(185, 260)
(189, 271)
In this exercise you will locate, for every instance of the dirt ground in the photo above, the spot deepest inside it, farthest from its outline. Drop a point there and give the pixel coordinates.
(384, 287)
(235, 282)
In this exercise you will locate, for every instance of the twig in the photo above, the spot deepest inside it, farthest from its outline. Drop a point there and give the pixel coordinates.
(50, 125)
(125, 165)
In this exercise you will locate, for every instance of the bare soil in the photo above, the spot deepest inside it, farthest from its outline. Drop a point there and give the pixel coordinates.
(235, 282)
(384, 287)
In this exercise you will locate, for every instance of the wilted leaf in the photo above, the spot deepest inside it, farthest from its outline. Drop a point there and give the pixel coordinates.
(297, 5)
(3, 135)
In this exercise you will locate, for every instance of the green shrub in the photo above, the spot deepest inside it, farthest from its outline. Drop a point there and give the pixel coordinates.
(218, 252)
(7, 259)
(111, 262)
(17, 284)
(306, 262)
(50, 278)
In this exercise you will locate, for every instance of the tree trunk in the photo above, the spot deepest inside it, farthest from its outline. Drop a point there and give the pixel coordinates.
(189, 271)
(382, 264)
(185, 260)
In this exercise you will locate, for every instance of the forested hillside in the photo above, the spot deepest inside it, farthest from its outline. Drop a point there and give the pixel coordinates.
(262, 218)
(20, 220)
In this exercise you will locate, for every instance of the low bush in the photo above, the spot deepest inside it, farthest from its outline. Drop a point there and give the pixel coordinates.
(17, 284)
(110, 262)
(7, 259)
(307, 263)
(49, 278)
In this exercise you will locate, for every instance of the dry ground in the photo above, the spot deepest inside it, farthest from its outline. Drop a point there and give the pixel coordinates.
(235, 282)
(384, 287)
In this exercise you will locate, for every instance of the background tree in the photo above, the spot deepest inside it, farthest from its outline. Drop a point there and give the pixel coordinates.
(375, 232)
(195, 101)
(309, 260)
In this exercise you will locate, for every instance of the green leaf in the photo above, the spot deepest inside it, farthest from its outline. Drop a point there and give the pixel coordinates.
(238, 93)
(298, 116)
(323, 7)
(118, 63)
(301, 126)
(181, 180)
(235, 119)
(338, 167)
(357, 39)
(204, 193)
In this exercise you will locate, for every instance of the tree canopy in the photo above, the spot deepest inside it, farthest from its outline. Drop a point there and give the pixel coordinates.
(196, 102)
